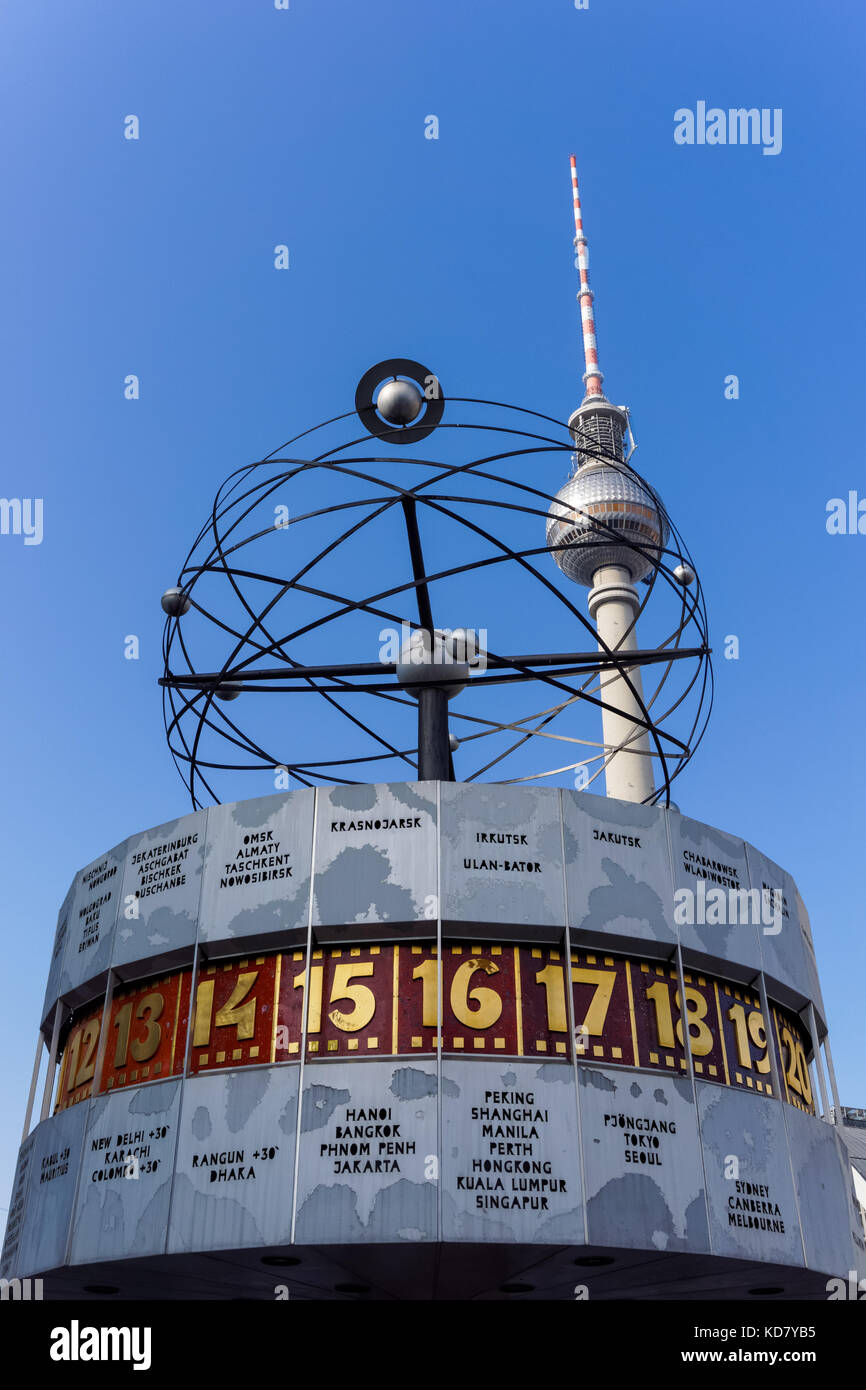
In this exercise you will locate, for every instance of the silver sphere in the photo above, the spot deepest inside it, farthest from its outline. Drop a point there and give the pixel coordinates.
(229, 690)
(453, 743)
(399, 402)
(684, 574)
(464, 645)
(424, 663)
(596, 508)
(175, 603)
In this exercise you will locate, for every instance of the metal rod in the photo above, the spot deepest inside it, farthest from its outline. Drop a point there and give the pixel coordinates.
(816, 1060)
(832, 1074)
(576, 662)
(778, 1089)
(305, 1017)
(425, 611)
(52, 1064)
(434, 752)
(33, 1080)
(110, 983)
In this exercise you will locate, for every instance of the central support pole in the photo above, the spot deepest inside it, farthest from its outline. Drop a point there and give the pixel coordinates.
(435, 763)
(613, 603)
(434, 750)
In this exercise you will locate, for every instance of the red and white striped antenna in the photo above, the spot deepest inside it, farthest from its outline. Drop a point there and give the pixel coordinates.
(593, 376)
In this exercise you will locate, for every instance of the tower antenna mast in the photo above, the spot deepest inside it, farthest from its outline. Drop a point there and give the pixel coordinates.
(593, 376)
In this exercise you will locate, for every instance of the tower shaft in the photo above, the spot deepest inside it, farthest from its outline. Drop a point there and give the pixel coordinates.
(613, 603)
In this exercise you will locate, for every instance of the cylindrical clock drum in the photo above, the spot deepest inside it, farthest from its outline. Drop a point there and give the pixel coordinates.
(433, 1040)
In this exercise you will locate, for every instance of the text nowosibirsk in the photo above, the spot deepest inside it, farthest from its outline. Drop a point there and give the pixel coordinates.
(257, 861)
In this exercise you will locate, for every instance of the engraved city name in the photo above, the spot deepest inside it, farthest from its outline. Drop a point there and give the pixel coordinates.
(507, 866)
(381, 823)
(257, 860)
(751, 1206)
(615, 837)
(159, 867)
(352, 1149)
(512, 1176)
(711, 869)
(642, 1142)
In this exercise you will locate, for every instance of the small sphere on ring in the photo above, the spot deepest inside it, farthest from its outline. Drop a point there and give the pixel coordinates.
(229, 690)
(399, 402)
(175, 603)
(684, 574)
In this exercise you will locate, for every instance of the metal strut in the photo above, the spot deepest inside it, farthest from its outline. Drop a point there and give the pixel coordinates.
(435, 763)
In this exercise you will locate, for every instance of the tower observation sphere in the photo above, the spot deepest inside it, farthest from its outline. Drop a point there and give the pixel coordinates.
(603, 516)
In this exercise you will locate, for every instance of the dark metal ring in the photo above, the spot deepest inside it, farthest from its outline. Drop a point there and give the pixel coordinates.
(404, 434)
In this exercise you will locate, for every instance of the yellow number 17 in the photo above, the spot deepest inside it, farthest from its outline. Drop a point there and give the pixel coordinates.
(553, 979)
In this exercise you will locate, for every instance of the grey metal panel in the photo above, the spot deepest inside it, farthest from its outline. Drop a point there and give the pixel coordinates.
(117, 1216)
(704, 855)
(783, 943)
(642, 1161)
(257, 873)
(510, 1156)
(501, 855)
(235, 1160)
(823, 1182)
(161, 886)
(337, 1200)
(90, 935)
(17, 1209)
(61, 932)
(54, 1167)
(814, 984)
(750, 1190)
(375, 856)
(618, 877)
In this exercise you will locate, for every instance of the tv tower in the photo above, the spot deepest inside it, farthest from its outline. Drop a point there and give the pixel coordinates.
(606, 531)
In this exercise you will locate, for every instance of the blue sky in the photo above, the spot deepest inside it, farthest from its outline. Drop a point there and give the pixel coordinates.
(306, 127)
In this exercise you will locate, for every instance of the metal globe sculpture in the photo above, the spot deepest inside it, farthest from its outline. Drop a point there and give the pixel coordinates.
(375, 593)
